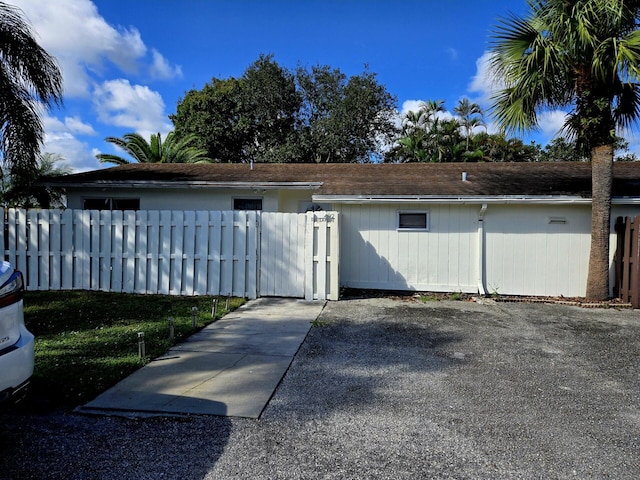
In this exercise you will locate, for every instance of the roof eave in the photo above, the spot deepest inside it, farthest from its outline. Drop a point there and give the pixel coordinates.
(191, 185)
(456, 199)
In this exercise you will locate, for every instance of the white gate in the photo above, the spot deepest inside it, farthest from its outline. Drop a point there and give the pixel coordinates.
(299, 255)
(282, 255)
(175, 252)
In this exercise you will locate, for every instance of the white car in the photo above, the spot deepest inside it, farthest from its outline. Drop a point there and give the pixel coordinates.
(16, 342)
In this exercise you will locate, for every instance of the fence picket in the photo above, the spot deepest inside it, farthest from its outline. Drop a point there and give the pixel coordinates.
(55, 251)
(142, 235)
(200, 257)
(164, 252)
(188, 253)
(152, 257)
(67, 249)
(252, 255)
(239, 254)
(129, 251)
(177, 252)
(33, 281)
(226, 253)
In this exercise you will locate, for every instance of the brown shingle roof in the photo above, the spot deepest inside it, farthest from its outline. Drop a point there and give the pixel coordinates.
(411, 179)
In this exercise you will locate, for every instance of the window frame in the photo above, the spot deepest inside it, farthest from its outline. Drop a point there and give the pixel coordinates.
(427, 218)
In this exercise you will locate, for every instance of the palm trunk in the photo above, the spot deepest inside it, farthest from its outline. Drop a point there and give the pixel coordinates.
(601, 178)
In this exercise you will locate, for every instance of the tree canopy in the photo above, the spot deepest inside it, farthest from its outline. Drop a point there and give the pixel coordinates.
(35, 192)
(271, 114)
(172, 150)
(29, 78)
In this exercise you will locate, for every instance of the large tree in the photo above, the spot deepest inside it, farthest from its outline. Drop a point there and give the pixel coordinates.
(29, 78)
(211, 114)
(172, 150)
(270, 114)
(583, 55)
(242, 119)
(343, 119)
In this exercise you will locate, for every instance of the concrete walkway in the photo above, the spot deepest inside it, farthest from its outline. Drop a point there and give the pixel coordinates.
(230, 368)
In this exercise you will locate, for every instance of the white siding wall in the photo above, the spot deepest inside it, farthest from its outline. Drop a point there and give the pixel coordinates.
(374, 254)
(527, 255)
(183, 199)
(524, 253)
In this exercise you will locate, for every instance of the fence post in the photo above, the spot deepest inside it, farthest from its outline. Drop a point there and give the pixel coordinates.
(618, 256)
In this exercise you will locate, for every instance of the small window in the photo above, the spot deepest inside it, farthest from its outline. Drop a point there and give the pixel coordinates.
(413, 221)
(111, 204)
(247, 204)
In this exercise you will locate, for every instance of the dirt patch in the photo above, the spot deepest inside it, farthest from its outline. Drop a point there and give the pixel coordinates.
(424, 297)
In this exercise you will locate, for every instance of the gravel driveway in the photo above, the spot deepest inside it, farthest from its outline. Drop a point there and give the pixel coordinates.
(391, 389)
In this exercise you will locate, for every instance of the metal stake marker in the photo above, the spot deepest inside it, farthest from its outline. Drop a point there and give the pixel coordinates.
(228, 302)
(141, 350)
(171, 329)
(214, 308)
(194, 316)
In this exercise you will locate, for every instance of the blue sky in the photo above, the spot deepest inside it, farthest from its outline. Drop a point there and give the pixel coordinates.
(126, 63)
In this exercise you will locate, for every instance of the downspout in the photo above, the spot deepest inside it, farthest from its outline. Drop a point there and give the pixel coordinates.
(481, 250)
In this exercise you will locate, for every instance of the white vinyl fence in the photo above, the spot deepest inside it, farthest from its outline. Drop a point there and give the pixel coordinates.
(174, 252)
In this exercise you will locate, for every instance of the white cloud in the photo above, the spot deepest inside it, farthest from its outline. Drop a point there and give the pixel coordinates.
(551, 122)
(85, 44)
(161, 68)
(82, 40)
(410, 106)
(60, 138)
(484, 82)
(414, 106)
(75, 125)
(136, 107)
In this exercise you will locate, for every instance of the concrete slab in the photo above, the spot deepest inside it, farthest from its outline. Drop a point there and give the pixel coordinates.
(230, 368)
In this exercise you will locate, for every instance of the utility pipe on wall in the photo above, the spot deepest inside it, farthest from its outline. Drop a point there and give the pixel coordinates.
(481, 253)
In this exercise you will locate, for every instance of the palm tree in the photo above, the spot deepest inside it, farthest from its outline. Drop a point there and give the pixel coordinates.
(29, 78)
(585, 55)
(172, 150)
(36, 193)
(470, 115)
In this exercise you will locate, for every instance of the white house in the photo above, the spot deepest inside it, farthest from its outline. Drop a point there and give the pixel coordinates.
(510, 228)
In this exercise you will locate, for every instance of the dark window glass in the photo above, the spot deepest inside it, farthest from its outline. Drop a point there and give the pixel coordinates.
(412, 221)
(96, 204)
(247, 204)
(111, 204)
(125, 204)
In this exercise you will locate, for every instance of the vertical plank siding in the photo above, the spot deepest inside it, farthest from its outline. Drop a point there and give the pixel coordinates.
(532, 252)
(171, 252)
(375, 254)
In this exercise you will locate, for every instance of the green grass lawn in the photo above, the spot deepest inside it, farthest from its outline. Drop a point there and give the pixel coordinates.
(88, 341)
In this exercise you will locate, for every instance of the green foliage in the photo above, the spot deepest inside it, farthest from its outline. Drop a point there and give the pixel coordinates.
(273, 115)
(429, 298)
(583, 54)
(174, 149)
(429, 136)
(26, 192)
(87, 341)
(30, 79)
